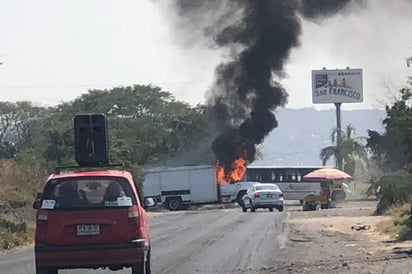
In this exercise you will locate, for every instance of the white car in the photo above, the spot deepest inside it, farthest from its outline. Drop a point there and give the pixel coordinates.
(263, 195)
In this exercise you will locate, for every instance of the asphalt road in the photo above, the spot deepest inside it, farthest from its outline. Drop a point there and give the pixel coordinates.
(201, 241)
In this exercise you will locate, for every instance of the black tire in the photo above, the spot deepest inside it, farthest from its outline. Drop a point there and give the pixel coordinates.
(46, 271)
(139, 268)
(244, 209)
(270, 209)
(252, 208)
(239, 197)
(280, 209)
(174, 203)
(148, 258)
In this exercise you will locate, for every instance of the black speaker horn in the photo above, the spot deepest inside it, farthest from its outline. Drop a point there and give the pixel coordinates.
(91, 140)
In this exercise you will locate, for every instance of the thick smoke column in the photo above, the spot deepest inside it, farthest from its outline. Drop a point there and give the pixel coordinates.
(259, 35)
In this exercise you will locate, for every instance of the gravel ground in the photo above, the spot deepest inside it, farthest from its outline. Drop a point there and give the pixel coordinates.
(345, 239)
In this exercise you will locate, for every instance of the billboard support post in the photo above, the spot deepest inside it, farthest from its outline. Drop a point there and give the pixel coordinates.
(338, 135)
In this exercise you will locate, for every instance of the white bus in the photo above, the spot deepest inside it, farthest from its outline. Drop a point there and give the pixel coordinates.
(288, 178)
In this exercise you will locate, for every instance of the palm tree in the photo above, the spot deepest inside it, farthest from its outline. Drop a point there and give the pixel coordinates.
(349, 151)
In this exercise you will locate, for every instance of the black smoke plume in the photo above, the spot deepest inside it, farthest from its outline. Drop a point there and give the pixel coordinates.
(258, 36)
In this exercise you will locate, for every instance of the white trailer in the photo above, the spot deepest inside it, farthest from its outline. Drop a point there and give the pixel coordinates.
(178, 187)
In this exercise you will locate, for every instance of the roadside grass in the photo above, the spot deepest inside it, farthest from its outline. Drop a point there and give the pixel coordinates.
(400, 224)
(19, 185)
(14, 233)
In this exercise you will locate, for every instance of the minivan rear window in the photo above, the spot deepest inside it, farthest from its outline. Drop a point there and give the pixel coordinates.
(88, 192)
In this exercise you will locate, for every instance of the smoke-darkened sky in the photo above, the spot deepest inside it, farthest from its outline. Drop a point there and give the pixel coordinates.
(372, 35)
(53, 52)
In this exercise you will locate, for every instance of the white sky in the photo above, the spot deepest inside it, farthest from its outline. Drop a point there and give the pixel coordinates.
(53, 51)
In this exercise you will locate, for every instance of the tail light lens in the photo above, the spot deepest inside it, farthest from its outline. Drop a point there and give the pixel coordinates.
(41, 225)
(257, 194)
(280, 194)
(133, 216)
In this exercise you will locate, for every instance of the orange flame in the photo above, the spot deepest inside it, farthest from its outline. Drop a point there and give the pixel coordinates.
(235, 174)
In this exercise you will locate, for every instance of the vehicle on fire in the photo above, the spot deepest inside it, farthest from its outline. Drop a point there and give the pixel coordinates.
(179, 187)
(91, 219)
(264, 195)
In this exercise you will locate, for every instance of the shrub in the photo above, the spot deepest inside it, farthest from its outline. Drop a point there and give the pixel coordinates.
(392, 189)
(401, 220)
(14, 234)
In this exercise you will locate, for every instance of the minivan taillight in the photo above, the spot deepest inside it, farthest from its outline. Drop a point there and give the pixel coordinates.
(257, 194)
(280, 194)
(133, 216)
(41, 225)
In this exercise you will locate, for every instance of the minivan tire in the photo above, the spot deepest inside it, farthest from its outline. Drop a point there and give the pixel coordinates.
(143, 267)
(46, 271)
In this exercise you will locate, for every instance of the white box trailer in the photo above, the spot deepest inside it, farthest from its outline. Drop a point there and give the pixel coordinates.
(177, 187)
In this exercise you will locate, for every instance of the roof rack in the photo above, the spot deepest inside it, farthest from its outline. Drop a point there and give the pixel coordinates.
(59, 169)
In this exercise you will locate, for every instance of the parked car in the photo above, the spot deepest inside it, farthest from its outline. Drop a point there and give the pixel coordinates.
(91, 219)
(264, 195)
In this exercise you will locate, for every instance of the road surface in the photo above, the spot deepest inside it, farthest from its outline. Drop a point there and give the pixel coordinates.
(200, 241)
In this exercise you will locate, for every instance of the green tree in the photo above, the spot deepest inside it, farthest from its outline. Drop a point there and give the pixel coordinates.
(350, 149)
(392, 149)
(146, 126)
(17, 122)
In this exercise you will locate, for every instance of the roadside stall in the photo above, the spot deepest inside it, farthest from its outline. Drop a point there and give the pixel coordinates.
(332, 184)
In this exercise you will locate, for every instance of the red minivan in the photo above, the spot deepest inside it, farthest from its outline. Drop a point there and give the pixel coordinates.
(91, 219)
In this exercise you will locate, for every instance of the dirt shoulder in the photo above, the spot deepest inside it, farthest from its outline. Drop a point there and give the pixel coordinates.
(345, 239)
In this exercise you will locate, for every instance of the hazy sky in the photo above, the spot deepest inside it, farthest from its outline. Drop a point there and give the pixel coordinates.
(53, 51)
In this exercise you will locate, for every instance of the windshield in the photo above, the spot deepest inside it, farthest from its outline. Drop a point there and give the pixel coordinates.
(90, 192)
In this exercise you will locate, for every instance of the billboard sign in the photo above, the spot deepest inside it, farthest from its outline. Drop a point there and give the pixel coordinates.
(337, 86)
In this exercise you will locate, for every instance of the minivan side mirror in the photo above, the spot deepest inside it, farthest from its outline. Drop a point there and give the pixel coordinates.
(148, 202)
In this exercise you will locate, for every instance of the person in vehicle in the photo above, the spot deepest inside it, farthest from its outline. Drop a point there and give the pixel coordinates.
(113, 191)
(69, 195)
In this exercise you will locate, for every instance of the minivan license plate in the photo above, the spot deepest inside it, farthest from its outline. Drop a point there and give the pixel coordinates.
(84, 230)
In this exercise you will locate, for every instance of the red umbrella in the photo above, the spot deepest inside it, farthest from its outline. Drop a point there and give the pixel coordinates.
(327, 173)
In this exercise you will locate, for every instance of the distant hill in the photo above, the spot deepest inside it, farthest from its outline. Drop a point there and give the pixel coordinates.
(302, 133)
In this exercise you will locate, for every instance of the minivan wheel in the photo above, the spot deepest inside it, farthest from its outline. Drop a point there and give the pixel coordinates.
(140, 268)
(148, 269)
(46, 271)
